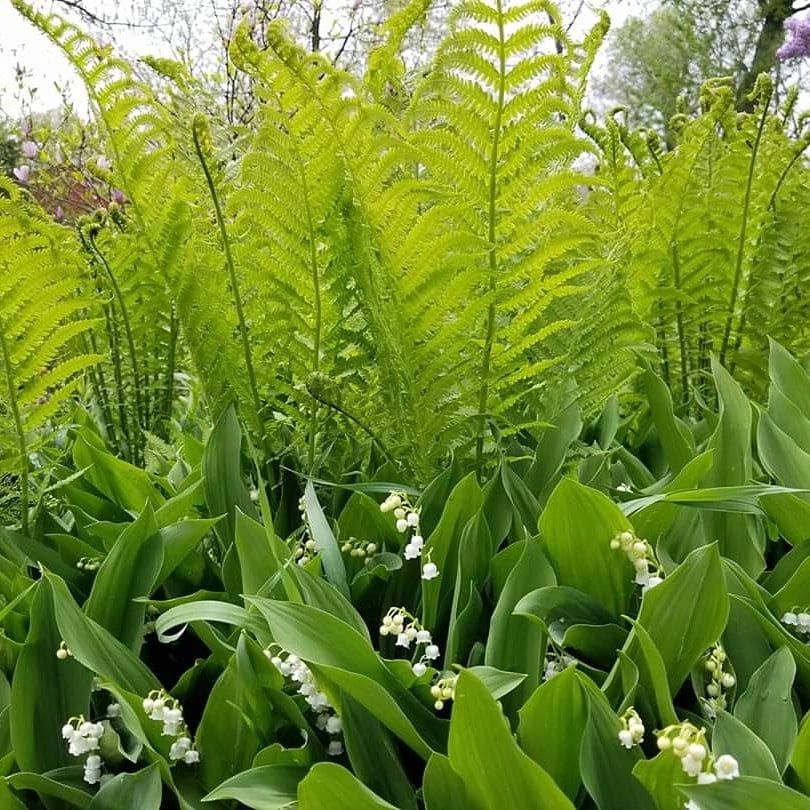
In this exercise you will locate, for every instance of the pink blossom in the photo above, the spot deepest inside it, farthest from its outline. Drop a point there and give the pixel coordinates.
(30, 149)
(59, 214)
(118, 196)
(797, 43)
(103, 162)
(22, 173)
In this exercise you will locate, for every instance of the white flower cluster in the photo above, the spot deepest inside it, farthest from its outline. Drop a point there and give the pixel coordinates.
(641, 554)
(292, 667)
(88, 563)
(408, 630)
(307, 549)
(443, 690)
(555, 663)
(720, 681)
(407, 517)
(688, 743)
(632, 730)
(83, 738)
(358, 548)
(161, 706)
(799, 620)
(63, 653)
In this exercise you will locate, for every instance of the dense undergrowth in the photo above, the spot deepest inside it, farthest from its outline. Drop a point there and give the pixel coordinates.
(427, 443)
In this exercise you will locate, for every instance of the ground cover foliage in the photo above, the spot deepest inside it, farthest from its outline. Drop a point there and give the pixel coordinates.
(426, 443)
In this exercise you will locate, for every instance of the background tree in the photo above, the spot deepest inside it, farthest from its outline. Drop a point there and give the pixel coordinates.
(658, 62)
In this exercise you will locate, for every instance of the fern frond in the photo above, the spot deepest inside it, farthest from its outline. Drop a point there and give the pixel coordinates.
(43, 312)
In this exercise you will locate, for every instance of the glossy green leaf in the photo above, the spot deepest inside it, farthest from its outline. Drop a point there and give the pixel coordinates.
(766, 706)
(129, 487)
(577, 526)
(732, 736)
(676, 439)
(45, 691)
(48, 787)
(373, 756)
(349, 662)
(737, 535)
(129, 572)
(225, 491)
(483, 752)
(95, 647)
(269, 787)
(441, 546)
(687, 612)
(514, 642)
(746, 793)
(328, 785)
(142, 789)
(660, 777)
(605, 765)
(325, 543)
(552, 724)
(444, 789)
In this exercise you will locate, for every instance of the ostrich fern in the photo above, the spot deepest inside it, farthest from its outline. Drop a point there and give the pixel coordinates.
(43, 315)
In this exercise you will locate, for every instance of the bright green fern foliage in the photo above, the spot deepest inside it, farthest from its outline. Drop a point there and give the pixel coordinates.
(44, 314)
(705, 236)
(495, 125)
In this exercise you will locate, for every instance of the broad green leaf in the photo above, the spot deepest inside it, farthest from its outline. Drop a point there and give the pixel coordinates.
(225, 490)
(142, 789)
(127, 486)
(475, 550)
(325, 543)
(441, 546)
(48, 787)
(558, 607)
(257, 562)
(789, 377)
(206, 611)
(732, 736)
(483, 752)
(269, 787)
(373, 756)
(577, 526)
(660, 776)
(766, 706)
(676, 439)
(552, 722)
(95, 647)
(737, 535)
(497, 682)
(800, 756)
(129, 572)
(317, 592)
(652, 674)
(687, 612)
(347, 659)
(551, 451)
(328, 785)
(235, 724)
(179, 540)
(45, 691)
(606, 766)
(514, 642)
(746, 793)
(444, 789)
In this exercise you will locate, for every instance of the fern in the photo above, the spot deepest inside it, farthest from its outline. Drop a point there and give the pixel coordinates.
(167, 246)
(43, 314)
(496, 119)
(696, 248)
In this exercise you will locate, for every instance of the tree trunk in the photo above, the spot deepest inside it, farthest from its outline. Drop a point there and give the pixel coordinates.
(771, 36)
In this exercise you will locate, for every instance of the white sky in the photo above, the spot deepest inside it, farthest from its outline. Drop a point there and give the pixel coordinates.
(21, 43)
